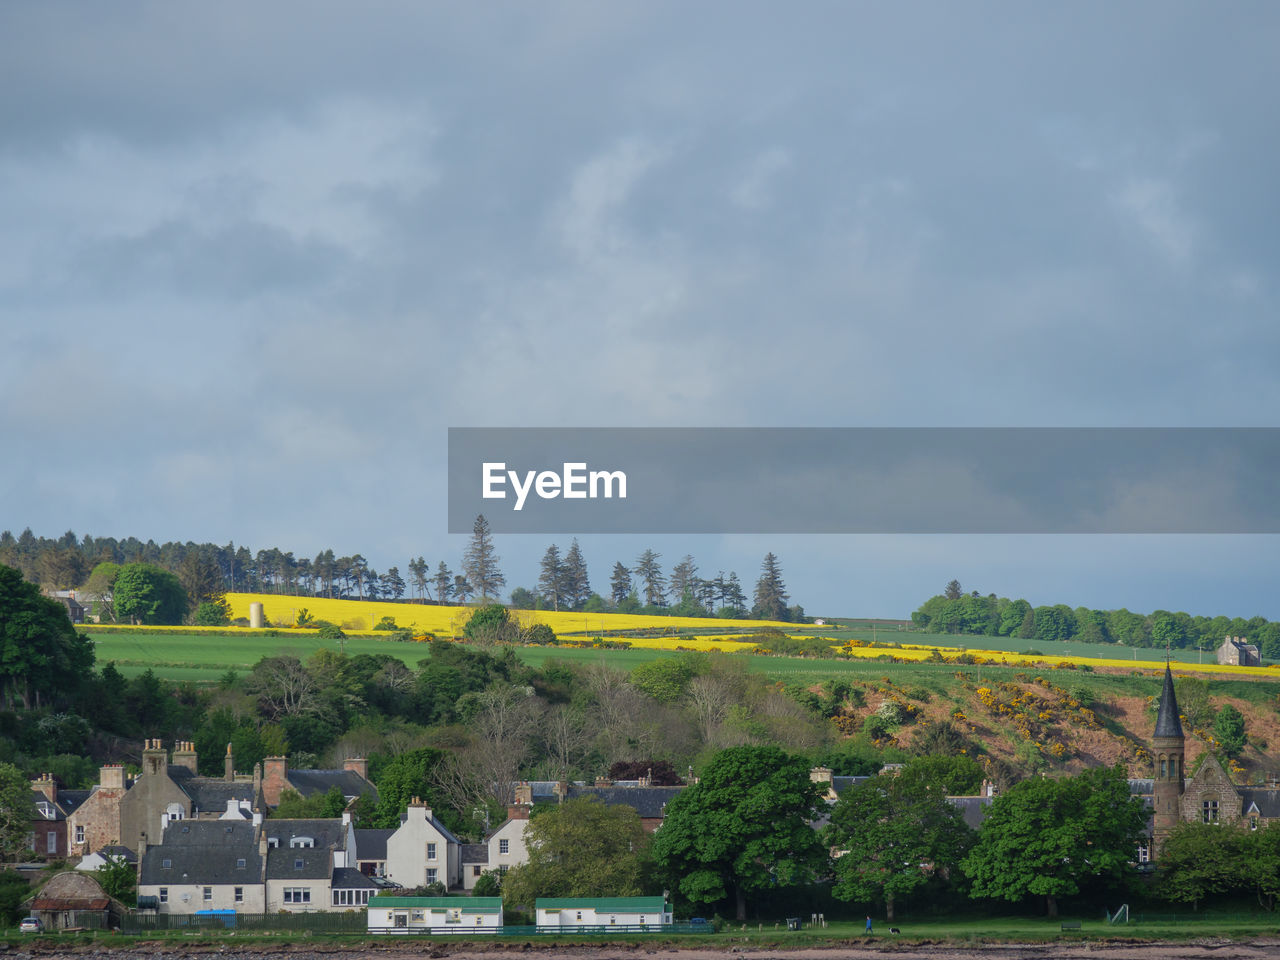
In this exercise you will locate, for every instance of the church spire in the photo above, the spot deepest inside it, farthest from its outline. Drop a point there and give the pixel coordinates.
(1167, 722)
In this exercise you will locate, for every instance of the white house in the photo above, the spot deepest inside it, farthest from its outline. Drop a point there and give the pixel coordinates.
(590, 914)
(423, 851)
(503, 849)
(433, 914)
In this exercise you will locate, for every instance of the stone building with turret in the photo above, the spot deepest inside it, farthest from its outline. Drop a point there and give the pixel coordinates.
(1208, 795)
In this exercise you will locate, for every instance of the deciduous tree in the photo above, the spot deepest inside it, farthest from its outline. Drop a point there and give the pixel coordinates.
(1054, 838)
(744, 827)
(892, 835)
(582, 848)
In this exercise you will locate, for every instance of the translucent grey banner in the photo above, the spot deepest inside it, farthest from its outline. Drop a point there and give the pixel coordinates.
(865, 480)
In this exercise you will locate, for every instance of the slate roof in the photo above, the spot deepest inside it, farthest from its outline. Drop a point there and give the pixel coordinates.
(303, 863)
(1167, 722)
(205, 852)
(71, 800)
(118, 852)
(55, 811)
(299, 863)
(649, 802)
(973, 809)
(344, 878)
(324, 832)
(841, 784)
(1267, 800)
(475, 853)
(371, 844)
(209, 794)
(309, 782)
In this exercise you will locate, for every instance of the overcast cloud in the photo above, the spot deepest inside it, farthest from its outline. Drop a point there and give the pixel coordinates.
(257, 258)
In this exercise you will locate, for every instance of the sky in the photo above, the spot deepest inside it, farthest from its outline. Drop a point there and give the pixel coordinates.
(258, 258)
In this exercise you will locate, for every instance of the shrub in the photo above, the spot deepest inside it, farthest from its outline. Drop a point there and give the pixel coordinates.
(212, 613)
(328, 631)
(386, 623)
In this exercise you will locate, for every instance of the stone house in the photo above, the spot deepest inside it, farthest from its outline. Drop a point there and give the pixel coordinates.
(1238, 651)
(95, 823)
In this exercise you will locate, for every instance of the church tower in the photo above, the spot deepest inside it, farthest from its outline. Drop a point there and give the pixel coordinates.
(1168, 749)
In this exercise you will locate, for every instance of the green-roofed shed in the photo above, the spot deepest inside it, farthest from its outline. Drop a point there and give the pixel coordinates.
(436, 914)
(567, 913)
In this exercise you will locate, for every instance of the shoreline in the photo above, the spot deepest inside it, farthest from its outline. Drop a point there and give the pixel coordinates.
(1119, 948)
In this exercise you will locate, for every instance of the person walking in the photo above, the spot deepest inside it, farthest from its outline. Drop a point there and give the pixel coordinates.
(868, 924)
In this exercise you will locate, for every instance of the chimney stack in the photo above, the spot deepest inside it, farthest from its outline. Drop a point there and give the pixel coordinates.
(357, 765)
(184, 755)
(46, 785)
(229, 766)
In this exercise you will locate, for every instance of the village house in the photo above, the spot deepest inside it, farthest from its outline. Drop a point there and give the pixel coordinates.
(501, 850)
(75, 901)
(254, 866)
(169, 788)
(422, 851)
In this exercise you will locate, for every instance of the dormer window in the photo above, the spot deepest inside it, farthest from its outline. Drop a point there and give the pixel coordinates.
(273, 842)
(46, 809)
(302, 842)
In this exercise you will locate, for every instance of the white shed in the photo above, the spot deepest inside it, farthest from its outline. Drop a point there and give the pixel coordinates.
(433, 914)
(594, 913)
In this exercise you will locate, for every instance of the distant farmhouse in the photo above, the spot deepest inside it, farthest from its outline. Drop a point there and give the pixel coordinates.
(1237, 651)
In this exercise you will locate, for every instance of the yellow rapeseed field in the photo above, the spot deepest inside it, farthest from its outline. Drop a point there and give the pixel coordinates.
(360, 616)
(282, 611)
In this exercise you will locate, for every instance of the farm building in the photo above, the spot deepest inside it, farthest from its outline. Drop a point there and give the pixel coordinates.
(433, 914)
(580, 913)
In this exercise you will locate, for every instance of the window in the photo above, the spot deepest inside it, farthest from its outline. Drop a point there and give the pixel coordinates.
(46, 809)
(475, 871)
(297, 864)
(431, 851)
(207, 895)
(164, 894)
(79, 834)
(1173, 766)
(504, 846)
(239, 897)
(579, 915)
(502, 869)
(1253, 823)
(417, 915)
(432, 873)
(453, 915)
(51, 842)
(1144, 852)
(1209, 811)
(1164, 768)
(240, 863)
(297, 894)
(302, 842)
(166, 864)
